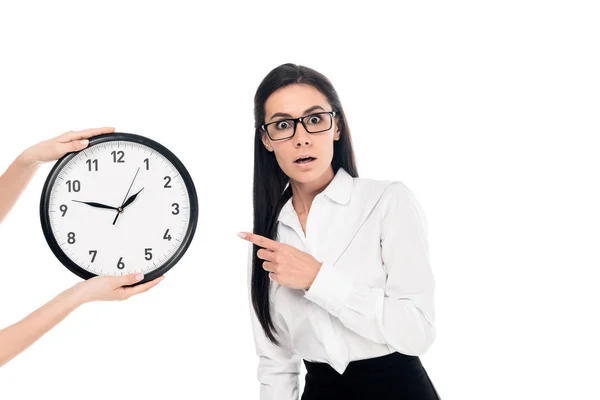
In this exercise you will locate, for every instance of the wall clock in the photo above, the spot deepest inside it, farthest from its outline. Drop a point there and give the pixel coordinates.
(123, 204)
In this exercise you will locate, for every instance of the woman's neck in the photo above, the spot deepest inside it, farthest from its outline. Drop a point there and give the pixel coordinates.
(303, 193)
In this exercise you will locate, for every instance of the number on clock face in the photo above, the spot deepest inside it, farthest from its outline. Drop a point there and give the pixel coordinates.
(98, 182)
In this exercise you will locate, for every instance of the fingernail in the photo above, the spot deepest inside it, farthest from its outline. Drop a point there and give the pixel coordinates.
(84, 142)
(139, 276)
(242, 235)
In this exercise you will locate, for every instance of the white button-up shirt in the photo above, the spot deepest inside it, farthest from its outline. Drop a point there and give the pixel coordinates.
(373, 295)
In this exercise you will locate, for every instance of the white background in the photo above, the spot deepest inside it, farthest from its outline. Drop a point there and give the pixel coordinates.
(487, 111)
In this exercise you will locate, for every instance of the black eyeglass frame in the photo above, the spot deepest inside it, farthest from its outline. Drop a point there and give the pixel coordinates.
(301, 120)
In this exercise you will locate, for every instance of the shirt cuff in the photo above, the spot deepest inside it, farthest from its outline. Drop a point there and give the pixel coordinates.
(330, 290)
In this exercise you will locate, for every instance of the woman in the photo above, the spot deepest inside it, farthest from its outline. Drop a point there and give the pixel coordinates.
(21, 335)
(339, 268)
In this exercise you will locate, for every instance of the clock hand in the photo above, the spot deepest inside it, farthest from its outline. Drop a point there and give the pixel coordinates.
(120, 210)
(131, 199)
(117, 216)
(98, 205)
(138, 170)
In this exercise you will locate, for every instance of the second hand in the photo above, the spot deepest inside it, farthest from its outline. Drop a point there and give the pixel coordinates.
(121, 207)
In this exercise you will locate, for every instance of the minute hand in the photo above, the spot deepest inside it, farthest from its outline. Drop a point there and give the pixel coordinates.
(97, 205)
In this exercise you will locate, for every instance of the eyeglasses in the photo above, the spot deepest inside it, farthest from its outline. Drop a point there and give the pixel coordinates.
(286, 128)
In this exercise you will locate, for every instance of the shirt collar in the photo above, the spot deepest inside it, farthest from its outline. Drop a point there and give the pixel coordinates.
(339, 190)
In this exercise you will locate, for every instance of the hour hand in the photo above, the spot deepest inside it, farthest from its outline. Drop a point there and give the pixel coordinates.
(98, 205)
(131, 199)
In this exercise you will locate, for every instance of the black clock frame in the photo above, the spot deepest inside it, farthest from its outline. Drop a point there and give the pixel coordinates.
(111, 137)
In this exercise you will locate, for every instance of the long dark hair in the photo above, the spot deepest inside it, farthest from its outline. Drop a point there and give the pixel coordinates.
(270, 193)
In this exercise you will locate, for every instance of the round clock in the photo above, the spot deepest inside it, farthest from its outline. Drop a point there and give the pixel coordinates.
(123, 204)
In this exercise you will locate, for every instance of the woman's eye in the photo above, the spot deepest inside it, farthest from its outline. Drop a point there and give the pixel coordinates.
(314, 119)
(283, 125)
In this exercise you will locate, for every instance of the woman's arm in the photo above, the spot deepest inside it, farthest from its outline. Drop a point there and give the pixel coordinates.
(19, 173)
(401, 314)
(19, 336)
(278, 366)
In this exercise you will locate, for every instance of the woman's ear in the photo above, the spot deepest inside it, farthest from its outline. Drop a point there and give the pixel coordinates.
(265, 141)
(338, 131)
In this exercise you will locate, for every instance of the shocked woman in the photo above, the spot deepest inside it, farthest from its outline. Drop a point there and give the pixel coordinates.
(339, 269)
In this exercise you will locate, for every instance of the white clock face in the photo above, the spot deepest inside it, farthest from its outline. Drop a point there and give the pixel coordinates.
(134, 237)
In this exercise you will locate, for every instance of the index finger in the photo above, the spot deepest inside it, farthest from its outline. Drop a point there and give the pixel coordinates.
(259, 240)
(86, 133)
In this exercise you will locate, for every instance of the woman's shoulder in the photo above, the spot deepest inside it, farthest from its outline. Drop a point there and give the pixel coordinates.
(387, 188)
(396, 199)
(392, 195)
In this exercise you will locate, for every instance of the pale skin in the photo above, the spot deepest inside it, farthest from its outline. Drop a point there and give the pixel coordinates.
(287, 265)
(19, 336)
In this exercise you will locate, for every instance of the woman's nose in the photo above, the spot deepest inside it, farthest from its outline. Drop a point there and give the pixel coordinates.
(301, 137)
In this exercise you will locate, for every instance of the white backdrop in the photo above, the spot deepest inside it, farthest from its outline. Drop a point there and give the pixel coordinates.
(488, 112)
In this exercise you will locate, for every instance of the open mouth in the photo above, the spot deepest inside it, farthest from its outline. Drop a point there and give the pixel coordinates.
(304, 160)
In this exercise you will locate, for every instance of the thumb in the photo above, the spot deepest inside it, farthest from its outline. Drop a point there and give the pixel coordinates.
(129, 279)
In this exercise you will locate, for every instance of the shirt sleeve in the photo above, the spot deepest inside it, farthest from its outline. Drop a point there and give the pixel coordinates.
(401, 314)
(278, 366)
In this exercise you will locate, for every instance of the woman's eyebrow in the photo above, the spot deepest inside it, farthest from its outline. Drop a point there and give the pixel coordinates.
(307, 111)
(313, 108)
(279, 114)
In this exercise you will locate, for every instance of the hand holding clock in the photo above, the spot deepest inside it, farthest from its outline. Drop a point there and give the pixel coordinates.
(107, 288)
(55, 148)
(19, 336)
(22, 334)
(20, 172)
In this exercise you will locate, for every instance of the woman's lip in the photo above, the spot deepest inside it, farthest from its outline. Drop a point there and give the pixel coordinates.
(306, 164)
(313, 159)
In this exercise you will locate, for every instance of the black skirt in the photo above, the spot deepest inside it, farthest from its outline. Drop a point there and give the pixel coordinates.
(395, 376)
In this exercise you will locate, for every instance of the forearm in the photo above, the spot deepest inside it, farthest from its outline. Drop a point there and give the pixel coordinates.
(278, 378)
(278, 366)
(14, 180)
(19, 336)
(404, 322)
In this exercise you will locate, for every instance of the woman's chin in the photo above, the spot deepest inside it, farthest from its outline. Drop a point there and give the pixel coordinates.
(307, 174)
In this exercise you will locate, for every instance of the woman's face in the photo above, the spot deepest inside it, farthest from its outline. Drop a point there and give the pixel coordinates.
(293, 101)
